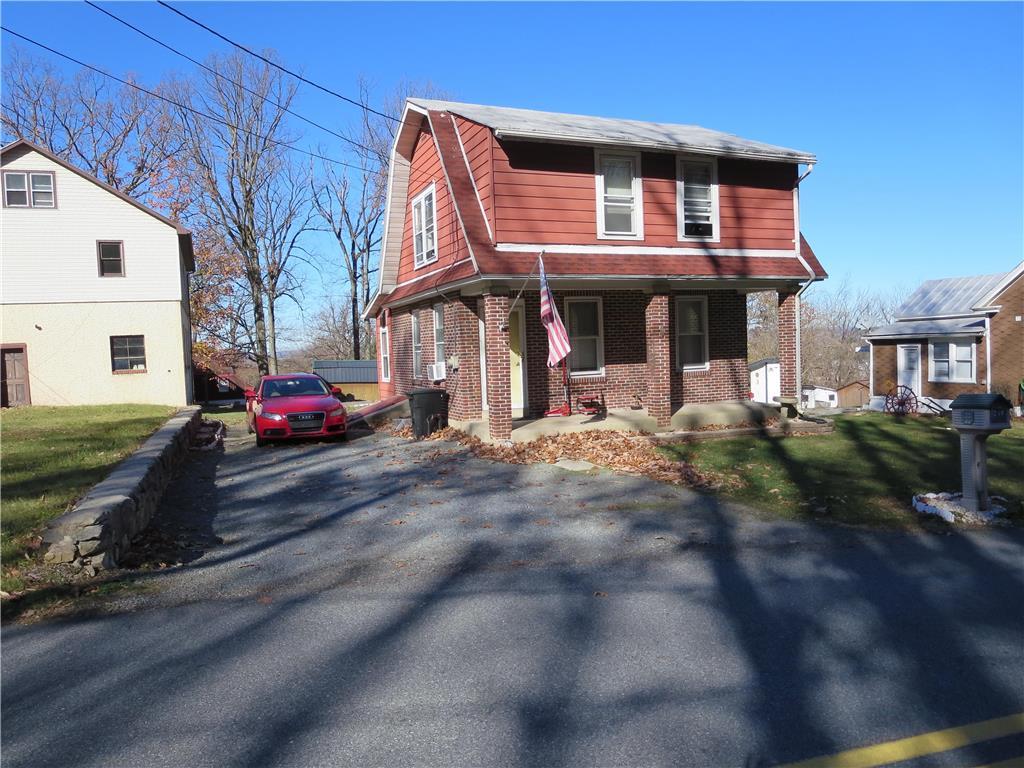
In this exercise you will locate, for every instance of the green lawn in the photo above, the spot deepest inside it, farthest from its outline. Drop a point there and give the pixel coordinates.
(51, 456)
(864, 472)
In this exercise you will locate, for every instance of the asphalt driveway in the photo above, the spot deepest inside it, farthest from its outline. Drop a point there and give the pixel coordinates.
(391, 603)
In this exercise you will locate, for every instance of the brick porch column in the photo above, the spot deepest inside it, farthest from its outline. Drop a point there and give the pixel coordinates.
(659, 360)
(499, 392)
(789, 306)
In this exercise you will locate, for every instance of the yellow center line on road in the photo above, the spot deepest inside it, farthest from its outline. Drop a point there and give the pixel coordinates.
(919, 746)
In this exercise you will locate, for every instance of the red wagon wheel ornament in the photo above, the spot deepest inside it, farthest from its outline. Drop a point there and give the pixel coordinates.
(901, 401)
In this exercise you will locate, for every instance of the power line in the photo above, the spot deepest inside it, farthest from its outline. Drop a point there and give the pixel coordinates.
(265, 60)
(224, 77)
(177, 104)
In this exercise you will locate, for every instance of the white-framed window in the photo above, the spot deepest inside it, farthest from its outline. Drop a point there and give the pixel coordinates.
(29, 189)
(385, 353)
(585, 325)
(439, 333)
(692, 333)
(417, 347)
(953, 360)
(697, 198)
(424, 227)
(620, 195)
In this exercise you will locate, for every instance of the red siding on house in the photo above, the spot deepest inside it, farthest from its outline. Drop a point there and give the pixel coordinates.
(478, 141)
(545, 193)
(451, 247)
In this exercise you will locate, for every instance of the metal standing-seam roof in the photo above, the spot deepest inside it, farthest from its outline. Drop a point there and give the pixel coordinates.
(963, 326)
(347, 371)
(530, 124)
(949, 296)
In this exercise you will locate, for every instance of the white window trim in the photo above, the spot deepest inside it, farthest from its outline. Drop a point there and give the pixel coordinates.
(952, 360)
(703, 300)
(439, 342)
(430, 190)
(600, 371)
(638, 195)
(416, 337)
(680, 200)
(385, 354)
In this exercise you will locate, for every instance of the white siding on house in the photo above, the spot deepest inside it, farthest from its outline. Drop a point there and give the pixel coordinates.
(49, 255)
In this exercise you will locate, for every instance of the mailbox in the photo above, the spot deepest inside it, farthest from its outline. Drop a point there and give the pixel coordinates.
(976, 417)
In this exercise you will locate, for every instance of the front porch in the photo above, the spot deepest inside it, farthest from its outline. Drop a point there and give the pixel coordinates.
(674, 358)
(688, 417)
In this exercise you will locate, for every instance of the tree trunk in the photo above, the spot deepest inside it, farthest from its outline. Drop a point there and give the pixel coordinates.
(260, 326)
(356, 348)
(271, 335)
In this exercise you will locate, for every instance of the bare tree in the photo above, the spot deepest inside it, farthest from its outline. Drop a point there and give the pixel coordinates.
(115, 132)
(247, 185)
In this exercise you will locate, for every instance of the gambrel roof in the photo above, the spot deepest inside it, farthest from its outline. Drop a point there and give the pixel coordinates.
(534, 125)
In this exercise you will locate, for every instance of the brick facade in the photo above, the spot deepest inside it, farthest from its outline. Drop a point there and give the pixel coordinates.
(639, 354)
(789, 308)
(886, 371)
(1008, 340)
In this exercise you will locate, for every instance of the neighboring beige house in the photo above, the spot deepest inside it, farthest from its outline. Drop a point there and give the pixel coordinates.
(93, 290)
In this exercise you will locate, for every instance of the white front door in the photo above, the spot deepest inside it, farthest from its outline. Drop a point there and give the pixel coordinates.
(517, 361)
(908, 364)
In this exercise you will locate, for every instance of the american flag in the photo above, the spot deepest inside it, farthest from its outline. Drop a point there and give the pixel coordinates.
(558, 339)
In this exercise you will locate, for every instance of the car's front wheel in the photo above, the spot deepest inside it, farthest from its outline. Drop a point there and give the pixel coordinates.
(260, 441)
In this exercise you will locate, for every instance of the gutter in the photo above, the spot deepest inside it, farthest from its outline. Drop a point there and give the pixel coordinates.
(810, 273)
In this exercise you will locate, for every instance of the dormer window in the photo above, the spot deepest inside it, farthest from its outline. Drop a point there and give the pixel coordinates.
(28, 189)
(697, 198)
(424, 227)
(620, 203)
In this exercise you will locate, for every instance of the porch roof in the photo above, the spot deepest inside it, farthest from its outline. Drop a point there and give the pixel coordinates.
(921, 328)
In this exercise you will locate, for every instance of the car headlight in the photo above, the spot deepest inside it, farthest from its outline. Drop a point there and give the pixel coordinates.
(339, 411)
(272, 416)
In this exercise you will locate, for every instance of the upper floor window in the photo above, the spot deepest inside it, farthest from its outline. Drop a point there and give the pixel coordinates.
(424, 227)
(111, 258)
(586, 336)
(697, 199)
(620, 203)
(692, 333)
(128, 354)
(28, 189)
(952, 361)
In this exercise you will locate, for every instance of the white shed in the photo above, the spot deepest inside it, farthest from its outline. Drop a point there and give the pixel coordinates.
(765, 380)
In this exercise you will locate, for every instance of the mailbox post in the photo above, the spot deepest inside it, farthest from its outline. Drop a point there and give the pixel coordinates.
(976, 417)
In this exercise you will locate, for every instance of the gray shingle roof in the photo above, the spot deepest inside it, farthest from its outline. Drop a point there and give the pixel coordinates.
(922, 328)
(347, 371)
(508, 122)
(950, 296)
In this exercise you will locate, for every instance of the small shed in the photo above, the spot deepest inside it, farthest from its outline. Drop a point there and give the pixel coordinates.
(816, 396)
(217, 386)
(357, 379)
(856, 394)
(765, 380)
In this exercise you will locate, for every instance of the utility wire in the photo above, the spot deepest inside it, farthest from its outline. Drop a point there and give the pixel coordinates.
(214, 72)
(178, 104)
(265, 60)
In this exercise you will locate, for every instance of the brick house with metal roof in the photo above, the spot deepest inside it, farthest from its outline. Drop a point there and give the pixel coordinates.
(652, 235)
(953, 336)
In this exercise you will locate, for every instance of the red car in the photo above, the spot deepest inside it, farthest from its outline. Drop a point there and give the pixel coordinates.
(292, 405)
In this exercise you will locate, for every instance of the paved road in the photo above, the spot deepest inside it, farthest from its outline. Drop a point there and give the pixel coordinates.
(387, 603)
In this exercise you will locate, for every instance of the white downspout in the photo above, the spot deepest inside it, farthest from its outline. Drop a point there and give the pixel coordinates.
(988, 354)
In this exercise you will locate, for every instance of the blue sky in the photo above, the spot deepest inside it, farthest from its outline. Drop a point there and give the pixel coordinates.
(916, 111)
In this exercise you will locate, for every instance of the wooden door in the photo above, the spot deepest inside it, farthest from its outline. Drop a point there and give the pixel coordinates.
(14, 372)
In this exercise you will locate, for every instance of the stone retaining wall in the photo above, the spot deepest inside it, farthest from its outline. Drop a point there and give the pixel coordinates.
(100, 528)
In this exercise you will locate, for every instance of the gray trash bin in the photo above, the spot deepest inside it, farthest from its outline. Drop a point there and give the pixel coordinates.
(429, 408)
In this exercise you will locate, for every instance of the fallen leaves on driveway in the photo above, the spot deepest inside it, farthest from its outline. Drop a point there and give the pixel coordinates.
(615, 450)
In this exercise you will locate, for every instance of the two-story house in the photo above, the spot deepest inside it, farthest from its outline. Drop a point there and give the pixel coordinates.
(953, 336)
(651, 234)
(93, 288)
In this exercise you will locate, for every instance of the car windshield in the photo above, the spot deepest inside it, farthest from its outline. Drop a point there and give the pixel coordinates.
(300, 386)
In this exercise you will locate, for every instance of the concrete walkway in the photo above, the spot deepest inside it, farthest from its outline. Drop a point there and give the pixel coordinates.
(391, 603)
